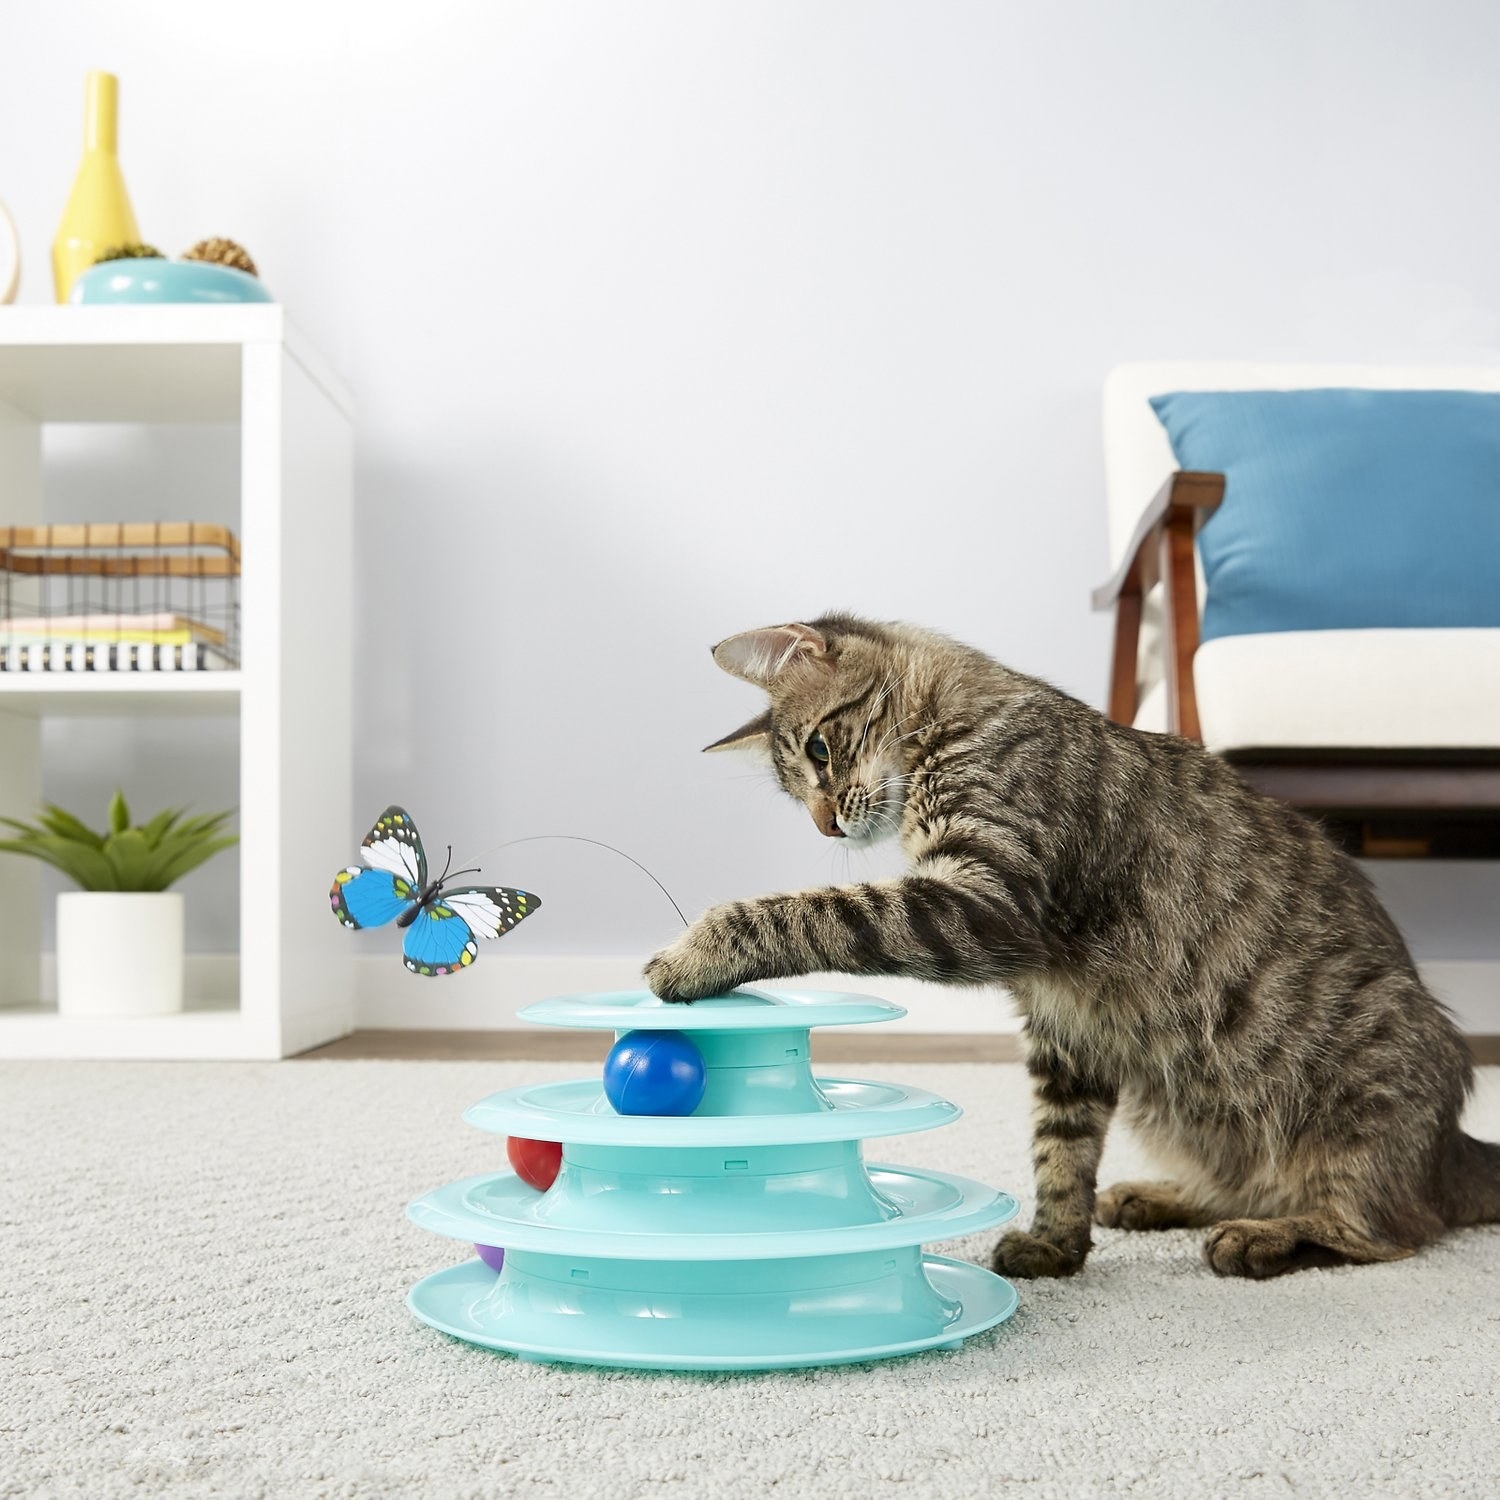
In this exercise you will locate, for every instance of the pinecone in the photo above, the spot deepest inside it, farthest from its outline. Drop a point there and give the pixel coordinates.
(223, 253)
(129, 252)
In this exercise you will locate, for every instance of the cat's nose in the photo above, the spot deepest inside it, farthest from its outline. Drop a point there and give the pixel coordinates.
(827, 820)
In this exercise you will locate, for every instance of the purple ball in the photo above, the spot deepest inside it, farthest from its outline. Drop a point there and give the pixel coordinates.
(492, 1255)
(655, 1073)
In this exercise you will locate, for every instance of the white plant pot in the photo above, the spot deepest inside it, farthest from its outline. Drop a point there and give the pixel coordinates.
(119, 953)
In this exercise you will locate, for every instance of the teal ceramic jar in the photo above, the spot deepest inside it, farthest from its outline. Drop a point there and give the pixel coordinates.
(152, 280)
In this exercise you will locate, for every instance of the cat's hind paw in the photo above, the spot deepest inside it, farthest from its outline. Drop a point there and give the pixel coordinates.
(1257, 1248)
(1146, 1205)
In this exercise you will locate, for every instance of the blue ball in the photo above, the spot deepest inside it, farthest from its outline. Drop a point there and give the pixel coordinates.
(654, 1073)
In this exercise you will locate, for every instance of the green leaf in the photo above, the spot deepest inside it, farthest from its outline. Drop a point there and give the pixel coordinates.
(65, 825)
(191, 856)
(202, 826)
(161, 825)
(88, 867)
(130, 857)
(148, 858)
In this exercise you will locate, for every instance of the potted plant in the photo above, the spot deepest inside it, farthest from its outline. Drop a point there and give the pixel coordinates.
(119, 937)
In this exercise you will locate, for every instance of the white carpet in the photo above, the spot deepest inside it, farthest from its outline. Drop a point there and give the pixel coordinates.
(202, 1273)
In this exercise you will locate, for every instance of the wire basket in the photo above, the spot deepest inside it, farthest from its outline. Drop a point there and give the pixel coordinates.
(155, 596)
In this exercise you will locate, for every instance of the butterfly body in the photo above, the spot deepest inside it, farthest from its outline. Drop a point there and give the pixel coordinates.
(426, 899)
(440, 923)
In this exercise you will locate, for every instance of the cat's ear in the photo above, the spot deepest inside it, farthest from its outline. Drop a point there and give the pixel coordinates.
(754, 737)
(761, 656)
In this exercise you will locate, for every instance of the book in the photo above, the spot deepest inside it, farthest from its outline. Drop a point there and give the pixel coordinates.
(96, 656)
(165, 629)
(142, 637)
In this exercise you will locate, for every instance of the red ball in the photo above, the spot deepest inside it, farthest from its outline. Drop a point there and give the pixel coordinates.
(537, 1163)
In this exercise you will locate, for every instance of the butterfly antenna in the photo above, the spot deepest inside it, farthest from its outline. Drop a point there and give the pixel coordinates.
(575, 838)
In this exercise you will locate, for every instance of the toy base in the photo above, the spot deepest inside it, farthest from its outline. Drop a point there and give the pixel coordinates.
(929, 1303)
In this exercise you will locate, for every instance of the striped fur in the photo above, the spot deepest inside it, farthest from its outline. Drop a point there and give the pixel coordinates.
(1179, 946)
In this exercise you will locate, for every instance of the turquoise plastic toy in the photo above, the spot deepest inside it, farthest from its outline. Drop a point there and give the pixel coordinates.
(748, 1235)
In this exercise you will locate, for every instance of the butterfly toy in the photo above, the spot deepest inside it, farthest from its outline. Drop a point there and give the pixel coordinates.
(440, 924)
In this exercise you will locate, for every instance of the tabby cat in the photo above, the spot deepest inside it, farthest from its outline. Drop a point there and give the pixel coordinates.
(1176, 943)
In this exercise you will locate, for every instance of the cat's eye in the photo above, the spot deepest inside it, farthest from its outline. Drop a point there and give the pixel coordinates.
(817, 748)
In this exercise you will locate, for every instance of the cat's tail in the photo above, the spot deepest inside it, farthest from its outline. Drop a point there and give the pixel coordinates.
(1473, 1182)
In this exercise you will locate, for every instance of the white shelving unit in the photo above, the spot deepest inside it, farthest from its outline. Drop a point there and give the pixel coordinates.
(291, 695)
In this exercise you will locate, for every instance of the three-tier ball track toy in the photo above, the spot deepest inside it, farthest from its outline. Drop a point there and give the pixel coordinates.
(750, 1234)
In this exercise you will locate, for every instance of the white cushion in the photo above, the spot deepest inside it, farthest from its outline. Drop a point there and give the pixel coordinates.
(1390, 689)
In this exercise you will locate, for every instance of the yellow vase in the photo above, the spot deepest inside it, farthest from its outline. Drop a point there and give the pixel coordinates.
(98, 214)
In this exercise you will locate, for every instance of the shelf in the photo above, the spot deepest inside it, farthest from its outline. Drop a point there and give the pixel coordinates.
(100, 383)
(248, 368)
(142, 364)
(218, 1032)
(109, 694)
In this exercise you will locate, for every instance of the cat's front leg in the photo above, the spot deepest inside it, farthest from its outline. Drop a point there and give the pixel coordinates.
(777, 937)
(1071, 1113)
(972, 931)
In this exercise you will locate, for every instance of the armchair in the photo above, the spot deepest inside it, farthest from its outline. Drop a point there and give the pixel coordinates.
(1389, 736)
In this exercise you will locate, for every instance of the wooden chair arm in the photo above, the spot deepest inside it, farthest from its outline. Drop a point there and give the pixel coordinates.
(1161, 550)
(1188, 491)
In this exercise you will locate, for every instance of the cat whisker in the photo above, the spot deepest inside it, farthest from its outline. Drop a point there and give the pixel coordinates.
(886, 691)
(899, 722)
(874, 708)
(892, 738)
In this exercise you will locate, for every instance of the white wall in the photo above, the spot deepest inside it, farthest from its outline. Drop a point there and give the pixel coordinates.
(671, 318)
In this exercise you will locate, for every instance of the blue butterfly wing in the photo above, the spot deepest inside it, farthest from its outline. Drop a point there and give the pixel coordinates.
(369, 898)
(439, 941)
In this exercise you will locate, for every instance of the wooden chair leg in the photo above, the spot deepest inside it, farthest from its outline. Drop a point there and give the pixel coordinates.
(1181, 639)
(1122, 672)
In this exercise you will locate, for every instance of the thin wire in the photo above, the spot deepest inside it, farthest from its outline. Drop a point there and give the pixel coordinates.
(574, 838)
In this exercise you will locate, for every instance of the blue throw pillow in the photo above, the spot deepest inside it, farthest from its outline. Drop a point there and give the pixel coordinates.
(1345, 509)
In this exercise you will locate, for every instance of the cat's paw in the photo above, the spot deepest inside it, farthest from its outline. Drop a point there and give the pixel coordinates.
(692, 968)
(1144, 1205)
(1257, 1248)
(1024, 1255)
